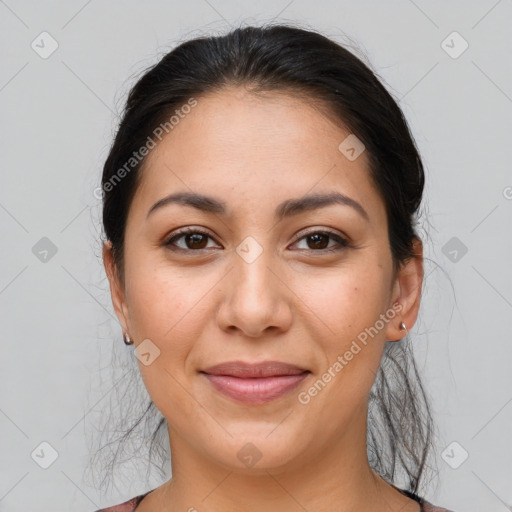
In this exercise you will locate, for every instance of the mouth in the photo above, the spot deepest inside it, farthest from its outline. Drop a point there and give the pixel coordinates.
(255, 383)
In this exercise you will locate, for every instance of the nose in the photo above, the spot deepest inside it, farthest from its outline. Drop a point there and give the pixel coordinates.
(257, 300)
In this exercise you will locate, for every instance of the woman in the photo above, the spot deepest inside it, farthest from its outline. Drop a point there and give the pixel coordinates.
(259, 210)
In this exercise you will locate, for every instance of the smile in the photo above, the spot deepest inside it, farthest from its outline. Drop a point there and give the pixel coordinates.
(259, 390)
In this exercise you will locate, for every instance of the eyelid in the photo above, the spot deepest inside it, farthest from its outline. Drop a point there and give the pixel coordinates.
(180, 232)
(322, 230)
(341, 240)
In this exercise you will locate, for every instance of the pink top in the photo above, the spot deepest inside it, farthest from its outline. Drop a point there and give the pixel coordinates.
(131, 505)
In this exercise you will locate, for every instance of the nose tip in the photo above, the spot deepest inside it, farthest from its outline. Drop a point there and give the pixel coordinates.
(253, 331)
(255, 302)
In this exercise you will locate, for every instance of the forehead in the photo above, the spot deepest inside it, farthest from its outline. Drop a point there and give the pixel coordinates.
(255, 150)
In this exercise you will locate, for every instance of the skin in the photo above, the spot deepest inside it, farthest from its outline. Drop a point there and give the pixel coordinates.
(295, 303)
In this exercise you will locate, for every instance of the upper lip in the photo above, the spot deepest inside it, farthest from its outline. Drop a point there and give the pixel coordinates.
(242, 369)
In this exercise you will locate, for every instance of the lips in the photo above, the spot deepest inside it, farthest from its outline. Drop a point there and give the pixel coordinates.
(241, 369)
(255, 383)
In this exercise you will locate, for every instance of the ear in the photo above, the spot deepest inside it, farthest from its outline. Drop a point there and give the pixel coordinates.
(116, 287)
(407, 293)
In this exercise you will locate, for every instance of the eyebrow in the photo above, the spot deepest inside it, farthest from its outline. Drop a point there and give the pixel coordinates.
(285, 209)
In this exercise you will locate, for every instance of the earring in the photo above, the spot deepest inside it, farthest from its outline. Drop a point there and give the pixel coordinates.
(126, 338)
(402, 327)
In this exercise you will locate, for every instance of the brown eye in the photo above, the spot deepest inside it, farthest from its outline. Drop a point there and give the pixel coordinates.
(189, 240)
(319, 241)
(196, 241)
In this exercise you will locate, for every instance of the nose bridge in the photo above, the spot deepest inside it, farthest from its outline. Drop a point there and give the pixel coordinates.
(253, 276)
(257, 299)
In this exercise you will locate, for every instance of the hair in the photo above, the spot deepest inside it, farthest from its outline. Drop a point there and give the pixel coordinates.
(287, 59)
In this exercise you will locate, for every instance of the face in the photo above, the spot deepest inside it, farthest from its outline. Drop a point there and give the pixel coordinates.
(254, 281)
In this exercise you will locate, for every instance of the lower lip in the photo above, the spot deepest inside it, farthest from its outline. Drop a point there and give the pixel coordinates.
(256, 390)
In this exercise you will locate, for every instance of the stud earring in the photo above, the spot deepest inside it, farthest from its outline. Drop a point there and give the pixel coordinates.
(126, 338)
(403, 328)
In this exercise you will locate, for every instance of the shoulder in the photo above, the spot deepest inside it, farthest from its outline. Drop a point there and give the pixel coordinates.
(130, 506)
(429, 507)
(127, 506)
(426, 506)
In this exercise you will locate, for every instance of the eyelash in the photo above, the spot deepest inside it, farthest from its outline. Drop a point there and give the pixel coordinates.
(342, 242)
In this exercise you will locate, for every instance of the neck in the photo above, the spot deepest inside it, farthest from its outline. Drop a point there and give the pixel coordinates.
(337, 478)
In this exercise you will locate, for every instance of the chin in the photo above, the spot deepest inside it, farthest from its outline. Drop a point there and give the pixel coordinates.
(255, 451)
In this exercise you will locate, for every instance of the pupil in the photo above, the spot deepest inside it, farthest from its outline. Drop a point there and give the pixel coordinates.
(319, 245)
(195, 238)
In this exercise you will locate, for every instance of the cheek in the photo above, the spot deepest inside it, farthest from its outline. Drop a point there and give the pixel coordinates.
(170, 309)
(161, 297)
(349, 306)
(346, 302)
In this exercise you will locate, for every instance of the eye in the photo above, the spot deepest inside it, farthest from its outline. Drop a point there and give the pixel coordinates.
(193, 239)
(318, 241)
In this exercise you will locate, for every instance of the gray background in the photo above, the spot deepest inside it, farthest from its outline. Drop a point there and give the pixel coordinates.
(58, 117)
